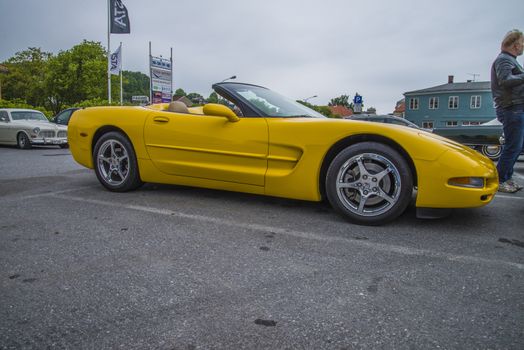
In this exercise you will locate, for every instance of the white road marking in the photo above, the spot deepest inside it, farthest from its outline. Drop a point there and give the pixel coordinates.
(299, 234)
(509, 196)
(45, 194)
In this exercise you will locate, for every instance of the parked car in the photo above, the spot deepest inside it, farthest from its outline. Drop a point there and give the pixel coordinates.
(27, 127)
(278, 147)
(388, 119)
(63, 117)
(484, 138)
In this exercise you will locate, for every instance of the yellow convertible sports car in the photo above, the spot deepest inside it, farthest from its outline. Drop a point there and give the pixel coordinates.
(264, 143)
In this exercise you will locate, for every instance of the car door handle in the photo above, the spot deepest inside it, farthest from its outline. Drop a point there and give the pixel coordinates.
(162, 120)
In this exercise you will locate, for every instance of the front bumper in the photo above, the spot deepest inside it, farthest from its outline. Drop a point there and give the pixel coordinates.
(435, 191)
(49, 141)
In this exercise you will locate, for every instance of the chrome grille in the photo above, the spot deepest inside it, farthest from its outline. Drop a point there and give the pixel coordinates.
(46, 133)
(62, 133)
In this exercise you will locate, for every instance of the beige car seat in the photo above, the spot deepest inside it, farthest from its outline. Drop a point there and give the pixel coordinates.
(177, 107)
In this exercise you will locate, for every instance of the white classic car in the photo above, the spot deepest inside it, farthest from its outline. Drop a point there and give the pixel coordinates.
(27, 127)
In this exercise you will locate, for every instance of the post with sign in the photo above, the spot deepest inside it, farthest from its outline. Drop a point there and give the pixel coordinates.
(161, 78)
(142, 100)
(357, 103)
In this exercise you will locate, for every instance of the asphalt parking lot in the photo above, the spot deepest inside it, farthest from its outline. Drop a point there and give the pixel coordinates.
(170, 267)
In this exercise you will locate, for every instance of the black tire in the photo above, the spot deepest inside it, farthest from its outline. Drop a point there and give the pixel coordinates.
(22, 141)
(374, 172)
(493, 152)
(65, 145)
(115, 163)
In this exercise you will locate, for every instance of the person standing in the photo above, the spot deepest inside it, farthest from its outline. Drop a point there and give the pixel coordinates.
(507, 86)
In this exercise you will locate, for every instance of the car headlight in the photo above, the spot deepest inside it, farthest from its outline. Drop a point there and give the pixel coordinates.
(36, 130)
(470, 182)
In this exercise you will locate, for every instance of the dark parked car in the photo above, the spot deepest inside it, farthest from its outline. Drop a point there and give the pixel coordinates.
(63, 117)
(484, 138)
(388, 119)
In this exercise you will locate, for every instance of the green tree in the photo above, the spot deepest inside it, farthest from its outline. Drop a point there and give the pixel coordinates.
(26, 78)
(180, 92)
(196, 98)
(134, 84)
(213, 98)
(324, 110)
(78, 74)
(342, 100)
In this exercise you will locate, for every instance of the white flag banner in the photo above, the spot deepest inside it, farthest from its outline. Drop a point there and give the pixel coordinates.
(116, 61)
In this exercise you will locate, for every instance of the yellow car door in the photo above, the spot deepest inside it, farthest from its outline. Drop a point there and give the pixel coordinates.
(208, 147)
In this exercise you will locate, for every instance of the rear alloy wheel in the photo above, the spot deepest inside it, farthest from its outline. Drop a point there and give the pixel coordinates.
(370, 183)
(491, 151)
(22, 141)
(115, 163)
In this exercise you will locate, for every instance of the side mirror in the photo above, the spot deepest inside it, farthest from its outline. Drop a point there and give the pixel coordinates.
(215, 109)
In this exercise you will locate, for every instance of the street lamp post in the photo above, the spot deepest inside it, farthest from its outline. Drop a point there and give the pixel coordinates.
(230, 78)
(309, 98)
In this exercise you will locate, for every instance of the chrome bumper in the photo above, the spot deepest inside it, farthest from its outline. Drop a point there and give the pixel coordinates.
(49, 141)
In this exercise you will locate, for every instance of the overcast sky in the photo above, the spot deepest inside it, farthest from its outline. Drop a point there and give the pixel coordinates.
(378, 48)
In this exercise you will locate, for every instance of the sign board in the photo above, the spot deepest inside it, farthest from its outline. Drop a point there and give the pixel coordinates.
(140, 99)
(161, 73)
(160, 62)
(357, 103)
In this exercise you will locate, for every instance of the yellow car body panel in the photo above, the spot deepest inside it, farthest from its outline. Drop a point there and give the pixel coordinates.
(208, 147)
(273, 156)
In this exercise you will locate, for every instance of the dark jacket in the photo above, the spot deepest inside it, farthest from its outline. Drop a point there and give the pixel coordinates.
(507, 81)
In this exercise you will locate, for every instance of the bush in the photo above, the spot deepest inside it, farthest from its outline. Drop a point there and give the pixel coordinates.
(19, 103)
(98, 102)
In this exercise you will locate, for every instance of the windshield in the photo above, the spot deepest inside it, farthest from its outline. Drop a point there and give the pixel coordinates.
(28, 115)
(271, 103)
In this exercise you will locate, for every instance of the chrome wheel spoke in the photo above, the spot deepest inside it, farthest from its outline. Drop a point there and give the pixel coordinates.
(383, 173)
(386, 197)
(342, 185)
(104, 159)
(113, 153)
(361, 167)
(362, 204)
(121, 159)
(122, 176)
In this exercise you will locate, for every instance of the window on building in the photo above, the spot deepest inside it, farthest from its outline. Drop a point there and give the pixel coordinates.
(452, 123)
(453, 102)
(468, 123)
(427, 124)
(433, 103)
(475, 102)
(413, 103)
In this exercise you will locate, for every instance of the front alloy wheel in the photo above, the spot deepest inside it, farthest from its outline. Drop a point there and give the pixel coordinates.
(115, 163)
(370, 183)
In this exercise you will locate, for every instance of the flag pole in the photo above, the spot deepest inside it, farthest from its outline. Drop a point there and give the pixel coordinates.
(150, 77)
(121, 68)
(109, 51)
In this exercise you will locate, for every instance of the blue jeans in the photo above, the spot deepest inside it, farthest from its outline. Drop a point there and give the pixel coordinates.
(512, 119)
